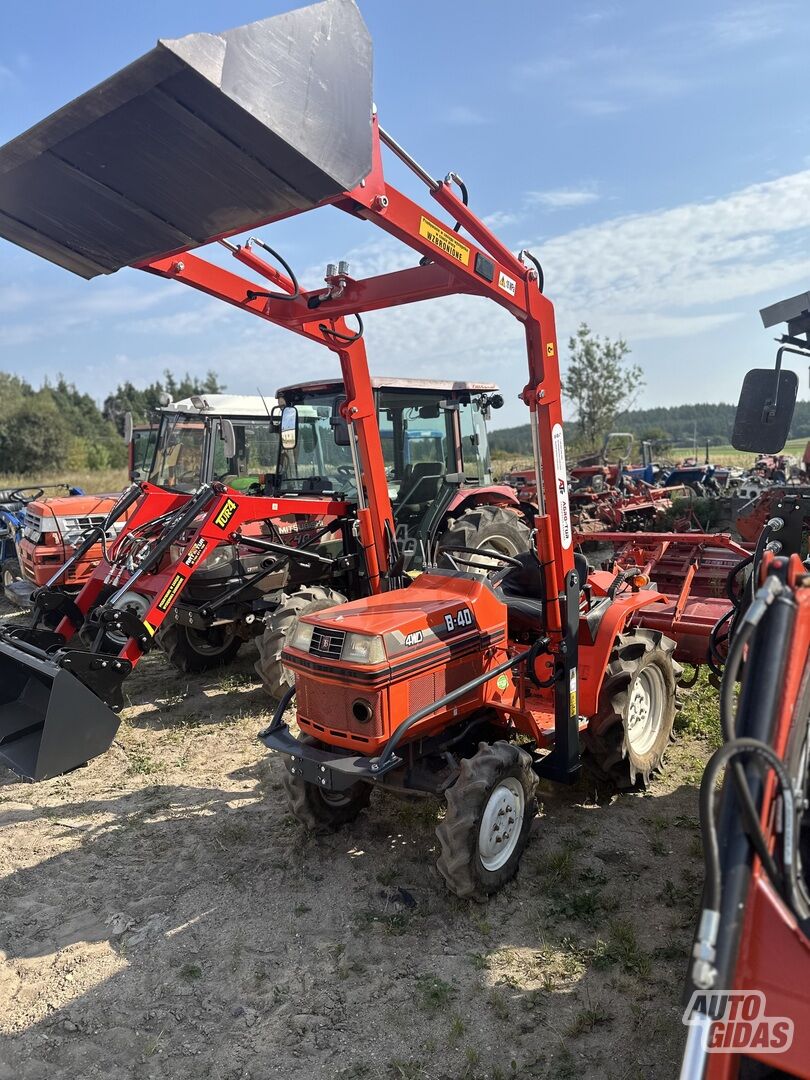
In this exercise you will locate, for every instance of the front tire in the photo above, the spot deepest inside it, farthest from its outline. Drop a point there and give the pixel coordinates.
(323, 811)
(197, 650)
(277, 679)
(490, 809)
(11, 572)
(626, 741)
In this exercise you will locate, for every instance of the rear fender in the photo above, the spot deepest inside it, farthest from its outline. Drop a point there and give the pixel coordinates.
(593, 658)
(493, 495)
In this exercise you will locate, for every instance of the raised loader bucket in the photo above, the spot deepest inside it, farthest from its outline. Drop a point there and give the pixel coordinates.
(204, 136)
(50, 722)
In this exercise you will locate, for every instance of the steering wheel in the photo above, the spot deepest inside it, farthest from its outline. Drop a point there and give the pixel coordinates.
(345, 472)
(487, 553)
(18, 494)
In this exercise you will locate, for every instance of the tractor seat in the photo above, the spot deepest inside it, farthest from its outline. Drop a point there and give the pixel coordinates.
(420, 487)
(522, 591)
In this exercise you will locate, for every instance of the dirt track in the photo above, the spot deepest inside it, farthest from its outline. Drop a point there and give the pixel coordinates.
(161, 915)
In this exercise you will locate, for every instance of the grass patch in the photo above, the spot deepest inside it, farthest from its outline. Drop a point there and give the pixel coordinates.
(700, 715)
(142, 764)
(434, 993)
(588, 1019)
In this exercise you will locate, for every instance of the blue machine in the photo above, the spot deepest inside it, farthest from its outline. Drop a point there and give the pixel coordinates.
(13, 502)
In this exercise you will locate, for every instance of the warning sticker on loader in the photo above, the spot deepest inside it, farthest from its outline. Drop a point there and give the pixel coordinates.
(563, 509)
(506, 283)
(572, 692)
(226, 513)
(193, 554)
(170, 595)
(447, 241)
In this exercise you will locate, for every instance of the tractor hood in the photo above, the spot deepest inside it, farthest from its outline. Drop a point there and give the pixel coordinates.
(68, 516)
(201, 137)
(437, 604)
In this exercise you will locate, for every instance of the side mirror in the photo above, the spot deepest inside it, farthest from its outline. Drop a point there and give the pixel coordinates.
(289, 427)
(765, 410)
(228, 436)
(339, 425)
(128, 427)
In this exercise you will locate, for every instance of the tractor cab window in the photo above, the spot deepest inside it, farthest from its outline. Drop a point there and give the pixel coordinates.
(179, 453)
(474, 445)
(256, 459)
(318, 464)
(418, 446)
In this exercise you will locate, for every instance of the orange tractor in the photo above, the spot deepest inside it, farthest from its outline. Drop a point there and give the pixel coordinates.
(124, 157)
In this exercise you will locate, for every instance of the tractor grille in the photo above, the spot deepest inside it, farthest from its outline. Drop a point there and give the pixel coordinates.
(34, 525)
(327, 643)
(81, 524)
(328, 708)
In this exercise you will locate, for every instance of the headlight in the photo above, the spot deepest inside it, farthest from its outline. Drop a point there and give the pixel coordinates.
(302, 636)
(225, 553)
(363, 649)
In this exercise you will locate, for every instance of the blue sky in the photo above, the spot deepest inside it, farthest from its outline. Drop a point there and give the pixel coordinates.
(655, 157)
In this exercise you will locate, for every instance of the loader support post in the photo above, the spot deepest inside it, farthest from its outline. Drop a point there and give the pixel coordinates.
(563, 764)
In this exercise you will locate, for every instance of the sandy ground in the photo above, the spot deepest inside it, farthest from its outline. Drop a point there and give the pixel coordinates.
(162, 915)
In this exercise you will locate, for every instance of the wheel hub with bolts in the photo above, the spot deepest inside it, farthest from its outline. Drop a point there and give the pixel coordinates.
(644, 710)
(501, 823)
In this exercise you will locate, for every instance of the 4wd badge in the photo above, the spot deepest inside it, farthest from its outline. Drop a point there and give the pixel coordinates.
(223, 518)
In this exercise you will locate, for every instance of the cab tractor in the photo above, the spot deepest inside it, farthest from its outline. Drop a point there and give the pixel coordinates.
(122, 177)
(438, 478)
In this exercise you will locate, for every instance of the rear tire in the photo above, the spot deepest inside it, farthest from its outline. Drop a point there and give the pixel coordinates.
(323, 811)
(490, 809)
(278, 626)
(626, 741)
(196, 650)
(493, 527)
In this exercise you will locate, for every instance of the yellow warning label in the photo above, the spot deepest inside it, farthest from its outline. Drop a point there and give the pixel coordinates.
(550, 349)
(572, 704)
(447, 241)
(168, 598)
(229, 508)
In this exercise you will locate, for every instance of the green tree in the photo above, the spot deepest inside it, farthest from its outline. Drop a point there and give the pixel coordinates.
(599, 383)
(660, 440)
(37, 437)
(142, 403)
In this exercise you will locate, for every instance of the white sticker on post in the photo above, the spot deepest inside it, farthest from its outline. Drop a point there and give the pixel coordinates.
(563, 509)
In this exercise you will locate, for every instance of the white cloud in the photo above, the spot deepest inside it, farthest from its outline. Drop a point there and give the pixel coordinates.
(15, 298)
(749, 24)
(561, 198)
(499, 219)
(599, 106)
(463, 116)
(681, 274)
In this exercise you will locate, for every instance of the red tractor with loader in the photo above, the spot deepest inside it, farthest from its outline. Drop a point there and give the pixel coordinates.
(748, 986)
(125, 200)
